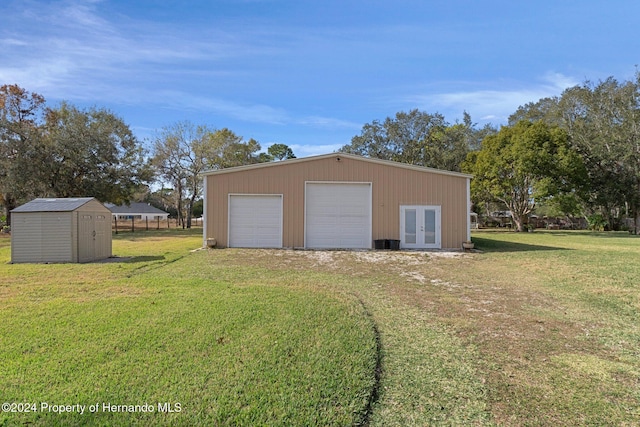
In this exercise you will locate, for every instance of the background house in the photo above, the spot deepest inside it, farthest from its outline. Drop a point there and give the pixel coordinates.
(137, 211)
(336, 201)
(60, 230)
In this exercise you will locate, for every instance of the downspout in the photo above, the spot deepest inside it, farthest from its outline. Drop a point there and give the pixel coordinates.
(468, 209)
(204, 213)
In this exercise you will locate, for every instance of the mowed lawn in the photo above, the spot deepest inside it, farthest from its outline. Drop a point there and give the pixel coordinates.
(535, 329)
(200, 342)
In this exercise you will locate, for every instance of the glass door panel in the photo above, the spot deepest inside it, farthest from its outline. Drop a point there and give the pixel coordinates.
(410, 232)
(429, 226)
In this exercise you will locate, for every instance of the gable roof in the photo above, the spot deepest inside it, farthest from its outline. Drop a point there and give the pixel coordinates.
(54, 204)
(337, 155)
(135, 208)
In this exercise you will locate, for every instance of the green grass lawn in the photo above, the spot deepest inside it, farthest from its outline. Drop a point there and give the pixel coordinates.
(536, 329)
(221, 345)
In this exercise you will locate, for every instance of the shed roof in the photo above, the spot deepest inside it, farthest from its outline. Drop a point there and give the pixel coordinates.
(336, 155)
(54, 205)
(135, 208)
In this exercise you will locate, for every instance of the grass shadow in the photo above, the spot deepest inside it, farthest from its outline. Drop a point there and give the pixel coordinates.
(131, 259)
(149, 258)
(491, 245)
(595, 234)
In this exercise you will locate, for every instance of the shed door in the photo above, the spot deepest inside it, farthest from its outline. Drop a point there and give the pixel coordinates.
(86, 237)
(255, 221)
(94, 236)
(102, 227)
(338, 215)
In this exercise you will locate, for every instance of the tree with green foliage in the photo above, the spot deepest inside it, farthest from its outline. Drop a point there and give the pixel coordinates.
(21, 146)
(280, 152)
(65, 151)
(91, 153)
(418, 138)
(603, 123)
(523, 164)
(228, 150)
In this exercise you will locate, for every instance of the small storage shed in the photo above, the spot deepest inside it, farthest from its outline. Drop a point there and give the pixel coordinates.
(336, 201)
(60, 230)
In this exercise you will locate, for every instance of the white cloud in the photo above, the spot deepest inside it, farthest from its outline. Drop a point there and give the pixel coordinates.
(328, 122)
(75, 54)
(95, 50)
(305, 150)
(494, 104)
(9, 42)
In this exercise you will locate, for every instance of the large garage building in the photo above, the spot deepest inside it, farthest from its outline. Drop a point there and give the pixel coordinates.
(336, 201)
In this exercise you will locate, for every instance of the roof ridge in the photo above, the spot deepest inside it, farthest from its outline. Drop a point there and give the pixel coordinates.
(338, 155)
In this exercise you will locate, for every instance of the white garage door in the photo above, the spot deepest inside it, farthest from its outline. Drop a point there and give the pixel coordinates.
(255, 221)
(338, 216)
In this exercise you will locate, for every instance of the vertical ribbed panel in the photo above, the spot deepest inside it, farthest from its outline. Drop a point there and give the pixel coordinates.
(391, 187)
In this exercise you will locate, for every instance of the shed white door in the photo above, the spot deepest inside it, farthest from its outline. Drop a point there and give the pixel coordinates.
(338, 215)
(103, 235)
(420, 227)
(255, 221)
(94, 236)
(86, 237)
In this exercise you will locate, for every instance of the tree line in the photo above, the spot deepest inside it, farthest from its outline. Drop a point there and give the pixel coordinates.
(576, 154)
(65, 151)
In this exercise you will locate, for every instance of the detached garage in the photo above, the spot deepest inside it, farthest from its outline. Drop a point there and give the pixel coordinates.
(60, 230)
(336, 201)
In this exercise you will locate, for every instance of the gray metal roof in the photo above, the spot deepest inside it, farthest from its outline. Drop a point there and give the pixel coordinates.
(53, 205)
(135, 208)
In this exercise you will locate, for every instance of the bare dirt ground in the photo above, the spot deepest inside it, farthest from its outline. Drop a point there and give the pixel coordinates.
(516, 326)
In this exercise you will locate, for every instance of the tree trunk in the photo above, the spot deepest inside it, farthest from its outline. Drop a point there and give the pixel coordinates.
(519, 213)
(179, 204)
(192, 201)
(635, 211)
(519, 221)
(9, 205)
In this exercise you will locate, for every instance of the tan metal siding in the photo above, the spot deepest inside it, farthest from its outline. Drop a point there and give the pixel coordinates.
(42, 237)
(391, 187)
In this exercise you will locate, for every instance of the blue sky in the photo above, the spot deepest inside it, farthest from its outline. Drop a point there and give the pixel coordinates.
(310, 74)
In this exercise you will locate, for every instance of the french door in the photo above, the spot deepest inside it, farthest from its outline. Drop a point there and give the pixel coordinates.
(420, 227)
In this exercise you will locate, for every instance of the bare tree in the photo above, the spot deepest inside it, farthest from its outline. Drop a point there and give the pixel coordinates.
(183, 151)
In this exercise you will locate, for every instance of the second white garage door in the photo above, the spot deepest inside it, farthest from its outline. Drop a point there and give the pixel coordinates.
(338, 215)
(255, 221)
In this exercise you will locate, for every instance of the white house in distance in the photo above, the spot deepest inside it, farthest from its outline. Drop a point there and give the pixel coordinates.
(137, 211)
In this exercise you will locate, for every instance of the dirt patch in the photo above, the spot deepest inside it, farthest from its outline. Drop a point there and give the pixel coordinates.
(517, 326)
(358, 261)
